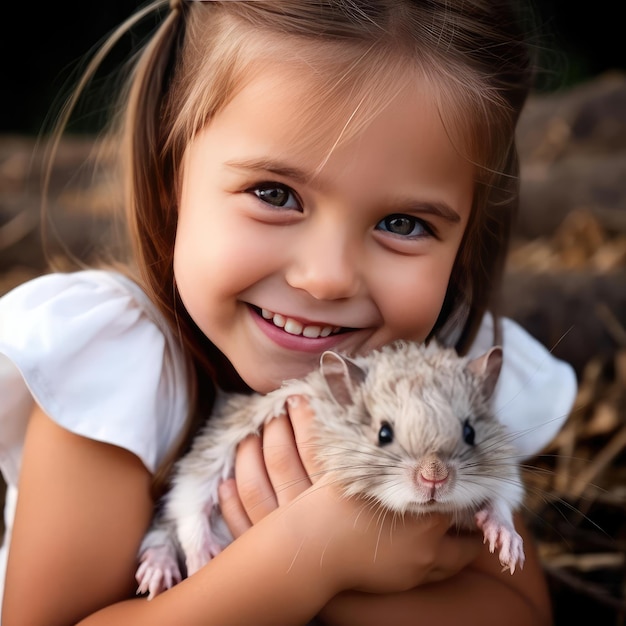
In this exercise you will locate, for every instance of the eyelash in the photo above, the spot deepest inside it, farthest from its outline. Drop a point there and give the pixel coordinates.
(265, 187)
(428, 230)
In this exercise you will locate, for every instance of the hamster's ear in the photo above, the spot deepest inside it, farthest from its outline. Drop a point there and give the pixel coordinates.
(341, 375)
(487, 367)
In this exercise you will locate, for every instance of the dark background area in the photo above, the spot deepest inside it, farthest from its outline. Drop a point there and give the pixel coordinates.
(44, 44)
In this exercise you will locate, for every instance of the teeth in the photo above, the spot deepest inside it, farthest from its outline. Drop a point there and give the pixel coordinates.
(311, 331)
(294, 327)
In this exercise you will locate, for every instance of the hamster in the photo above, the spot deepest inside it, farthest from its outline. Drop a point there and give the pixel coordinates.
(421, 410)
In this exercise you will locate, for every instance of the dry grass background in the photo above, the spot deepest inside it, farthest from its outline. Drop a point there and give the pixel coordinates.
(566, 283)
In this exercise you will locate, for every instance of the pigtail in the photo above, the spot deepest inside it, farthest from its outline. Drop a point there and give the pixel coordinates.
(148, 182)
(154, 144)
(149, 171)
(503, 65)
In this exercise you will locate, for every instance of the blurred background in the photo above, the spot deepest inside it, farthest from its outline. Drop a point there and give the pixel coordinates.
(566, 278)
(44, 43)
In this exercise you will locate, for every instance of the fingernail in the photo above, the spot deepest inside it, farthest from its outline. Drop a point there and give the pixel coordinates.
(293, 401)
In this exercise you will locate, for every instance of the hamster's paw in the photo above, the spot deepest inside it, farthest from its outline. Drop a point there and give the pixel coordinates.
(195, 559)
(504, 537)
(198, 542)
(158, 571)
(511, 550)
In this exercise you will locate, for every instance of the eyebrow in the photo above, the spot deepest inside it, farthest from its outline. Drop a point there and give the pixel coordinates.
(440, 209)
(273, 166)
(401, 205)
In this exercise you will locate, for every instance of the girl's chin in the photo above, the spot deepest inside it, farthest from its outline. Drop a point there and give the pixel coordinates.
(271, 376)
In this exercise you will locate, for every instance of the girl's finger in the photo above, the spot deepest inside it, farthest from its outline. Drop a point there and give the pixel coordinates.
(456, 552)
(254, 487)
(301, 417)
(282, 460)
(232, 509)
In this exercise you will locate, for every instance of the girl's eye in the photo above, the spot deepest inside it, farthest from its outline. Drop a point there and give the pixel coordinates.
(404, 226)
(276, 195)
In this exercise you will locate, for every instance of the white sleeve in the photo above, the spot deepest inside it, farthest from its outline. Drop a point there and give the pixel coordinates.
(535, 392)
(97, 357)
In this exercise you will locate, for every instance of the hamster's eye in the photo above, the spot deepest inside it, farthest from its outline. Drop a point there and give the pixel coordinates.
(469, 434)
(385, 434)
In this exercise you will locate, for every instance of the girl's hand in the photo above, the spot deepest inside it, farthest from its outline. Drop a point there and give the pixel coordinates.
(372, 550)
(270, 469)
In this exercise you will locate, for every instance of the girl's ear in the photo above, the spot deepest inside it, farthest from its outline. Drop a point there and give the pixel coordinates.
(487, 368)
(342, 376)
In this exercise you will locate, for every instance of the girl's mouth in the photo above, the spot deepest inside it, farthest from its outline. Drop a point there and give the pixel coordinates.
(294, 327)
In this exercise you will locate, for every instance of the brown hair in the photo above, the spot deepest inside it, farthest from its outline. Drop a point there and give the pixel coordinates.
(472, 52)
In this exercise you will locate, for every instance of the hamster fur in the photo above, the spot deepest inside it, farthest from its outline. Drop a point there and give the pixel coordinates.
(421, 410)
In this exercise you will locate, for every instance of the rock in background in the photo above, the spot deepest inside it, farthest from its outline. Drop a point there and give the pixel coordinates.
(567, 270)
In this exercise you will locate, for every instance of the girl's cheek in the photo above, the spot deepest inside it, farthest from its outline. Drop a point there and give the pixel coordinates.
(411, 308)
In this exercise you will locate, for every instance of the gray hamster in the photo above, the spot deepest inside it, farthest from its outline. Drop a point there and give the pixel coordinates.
(408, 425)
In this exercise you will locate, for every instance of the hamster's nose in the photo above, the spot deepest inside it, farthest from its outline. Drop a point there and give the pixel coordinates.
(432, 470)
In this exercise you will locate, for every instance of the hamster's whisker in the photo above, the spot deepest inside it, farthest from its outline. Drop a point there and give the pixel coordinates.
(373, 452)
(480, 480)
(530, 378)
(367, 503)
(382, 514)
(363, 471)
(511, 437)
(502, 441)
(567, 457)
(532, 470)
(551, 497)
(503, 463)
(572, 509)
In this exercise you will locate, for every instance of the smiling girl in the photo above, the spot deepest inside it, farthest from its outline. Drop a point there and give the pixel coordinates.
(300, 176)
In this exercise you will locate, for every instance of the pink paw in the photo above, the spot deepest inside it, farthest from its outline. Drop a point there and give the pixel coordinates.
(196, 559)
(503, 536)
(158, 571)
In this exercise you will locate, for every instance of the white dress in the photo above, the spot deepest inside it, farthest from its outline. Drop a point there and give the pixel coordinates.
(96, 355)
(91, 349)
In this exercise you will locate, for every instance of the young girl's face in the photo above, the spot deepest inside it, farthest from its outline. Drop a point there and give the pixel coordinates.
(277, 259)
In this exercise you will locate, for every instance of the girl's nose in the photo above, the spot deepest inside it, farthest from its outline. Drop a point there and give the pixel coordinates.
(325, 265)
